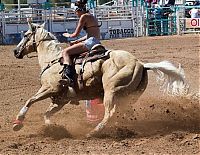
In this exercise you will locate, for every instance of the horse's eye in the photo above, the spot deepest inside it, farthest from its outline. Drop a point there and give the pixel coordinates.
(28, 35)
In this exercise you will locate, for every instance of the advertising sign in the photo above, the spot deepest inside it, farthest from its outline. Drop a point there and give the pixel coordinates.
(121, 33)
(193, 23)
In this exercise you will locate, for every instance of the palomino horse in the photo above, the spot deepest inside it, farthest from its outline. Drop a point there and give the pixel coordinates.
(120, 74)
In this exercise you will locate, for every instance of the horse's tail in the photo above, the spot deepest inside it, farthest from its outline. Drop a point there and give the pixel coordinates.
(170, 78)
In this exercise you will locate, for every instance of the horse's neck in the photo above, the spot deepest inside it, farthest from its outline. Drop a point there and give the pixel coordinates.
(48, 51)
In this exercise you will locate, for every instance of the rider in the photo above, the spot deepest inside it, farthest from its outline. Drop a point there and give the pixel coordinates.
(88, 23)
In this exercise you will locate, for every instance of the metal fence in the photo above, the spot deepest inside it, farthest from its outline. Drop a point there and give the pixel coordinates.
(161, 21)
(116, 21)
(186, 24)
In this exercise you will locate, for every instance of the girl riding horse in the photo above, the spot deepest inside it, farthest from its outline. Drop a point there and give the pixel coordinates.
(90, 24)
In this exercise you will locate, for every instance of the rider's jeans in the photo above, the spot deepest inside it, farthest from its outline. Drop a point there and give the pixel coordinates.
(90, 42)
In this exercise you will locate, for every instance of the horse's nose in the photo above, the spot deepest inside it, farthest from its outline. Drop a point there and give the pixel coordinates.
(15, 51)
(17, 54)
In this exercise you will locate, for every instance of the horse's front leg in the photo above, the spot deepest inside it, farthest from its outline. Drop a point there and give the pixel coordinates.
(110, 107)
(54, 107)
(42, 93)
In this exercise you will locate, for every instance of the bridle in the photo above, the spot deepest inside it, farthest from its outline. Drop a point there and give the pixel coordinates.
(26, 39)
(35, 45)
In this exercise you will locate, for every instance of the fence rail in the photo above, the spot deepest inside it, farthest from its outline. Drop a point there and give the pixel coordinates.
(116, 21)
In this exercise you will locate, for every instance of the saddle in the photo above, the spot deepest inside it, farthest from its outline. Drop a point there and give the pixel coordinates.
(97, 52)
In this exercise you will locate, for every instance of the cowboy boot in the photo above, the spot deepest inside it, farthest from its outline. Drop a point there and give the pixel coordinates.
(69, 73)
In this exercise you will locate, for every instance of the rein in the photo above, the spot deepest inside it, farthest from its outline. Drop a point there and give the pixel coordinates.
(49, 65)
(35, 45)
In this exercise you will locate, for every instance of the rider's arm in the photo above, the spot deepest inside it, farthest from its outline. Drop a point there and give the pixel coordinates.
(78, 40)
(79, 27)
(81, 39)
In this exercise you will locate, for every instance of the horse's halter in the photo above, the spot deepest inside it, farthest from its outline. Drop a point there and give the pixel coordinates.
(26, 39)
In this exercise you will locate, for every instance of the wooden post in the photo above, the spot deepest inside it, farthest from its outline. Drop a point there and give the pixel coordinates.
(178, 22)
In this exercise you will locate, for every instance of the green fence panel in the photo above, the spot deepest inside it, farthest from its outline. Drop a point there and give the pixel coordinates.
(161, 21)
(46, 5)
(2, 7)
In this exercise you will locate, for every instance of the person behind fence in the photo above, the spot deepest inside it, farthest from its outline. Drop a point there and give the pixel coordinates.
(195, 11)
(157, 11)
(166, 11)
(88, 23)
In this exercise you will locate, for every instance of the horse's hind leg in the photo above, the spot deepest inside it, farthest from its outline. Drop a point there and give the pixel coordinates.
(109, 111)
(43, 93)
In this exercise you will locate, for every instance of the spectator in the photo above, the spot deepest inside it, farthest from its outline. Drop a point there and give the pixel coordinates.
(166, 11)
(195, 12)
(157, 14)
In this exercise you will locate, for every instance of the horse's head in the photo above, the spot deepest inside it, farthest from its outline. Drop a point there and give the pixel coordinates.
(31, 40)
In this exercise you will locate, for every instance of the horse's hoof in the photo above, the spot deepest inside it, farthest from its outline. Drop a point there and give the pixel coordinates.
(88, 135)
(17, 125)
(91, 134)
(47, 122)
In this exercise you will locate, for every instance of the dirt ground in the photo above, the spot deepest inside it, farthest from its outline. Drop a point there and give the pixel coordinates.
(161, 124)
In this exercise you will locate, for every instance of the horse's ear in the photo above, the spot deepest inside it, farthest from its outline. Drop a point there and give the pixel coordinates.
(43, 25)
(30, 24)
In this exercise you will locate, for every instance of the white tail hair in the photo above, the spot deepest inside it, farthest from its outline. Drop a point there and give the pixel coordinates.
(170, 78)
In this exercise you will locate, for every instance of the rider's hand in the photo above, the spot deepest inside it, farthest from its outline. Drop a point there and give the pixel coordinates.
(66, 35)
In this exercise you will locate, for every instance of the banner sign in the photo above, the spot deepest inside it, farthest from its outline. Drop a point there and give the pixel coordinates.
(193, 23)
(121, 33)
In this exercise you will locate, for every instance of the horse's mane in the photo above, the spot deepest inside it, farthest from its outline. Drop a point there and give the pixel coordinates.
(54, 44)
(53, 37)
(49, 35)
(44, 33)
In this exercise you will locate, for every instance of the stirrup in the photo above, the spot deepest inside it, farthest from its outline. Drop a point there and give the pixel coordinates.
(71, 82)
(68, 74)
(67, 79)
